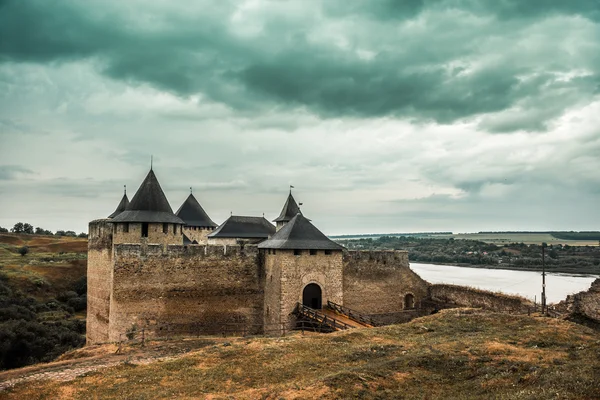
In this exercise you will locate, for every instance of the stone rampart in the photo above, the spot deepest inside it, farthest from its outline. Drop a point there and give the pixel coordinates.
(185, 286)
(381, 282)
(464, 296)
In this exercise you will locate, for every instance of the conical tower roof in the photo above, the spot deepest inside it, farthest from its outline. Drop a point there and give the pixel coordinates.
(149, 204)
(300, 234)
(192, 213)
(289, 211)
(121, 207)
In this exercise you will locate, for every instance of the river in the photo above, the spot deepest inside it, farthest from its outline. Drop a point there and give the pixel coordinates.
(525, 283)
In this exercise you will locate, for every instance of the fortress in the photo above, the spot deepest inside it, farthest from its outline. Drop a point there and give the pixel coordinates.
(151, 268)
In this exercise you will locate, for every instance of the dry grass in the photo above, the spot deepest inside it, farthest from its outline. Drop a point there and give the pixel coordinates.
(453, 354)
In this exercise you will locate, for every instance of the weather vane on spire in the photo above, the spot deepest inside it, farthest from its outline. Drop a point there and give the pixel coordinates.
(125, 189)
(291, 187)
(190, 190)
(151, 160)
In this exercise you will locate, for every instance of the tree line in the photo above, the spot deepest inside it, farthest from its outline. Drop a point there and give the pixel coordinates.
(28, 229)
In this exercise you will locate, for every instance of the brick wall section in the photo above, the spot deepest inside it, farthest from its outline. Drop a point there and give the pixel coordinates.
(156, 234)
(295, 273)
(99, 278)
(464, 296)
(198, 234)
(185, 288)
(376, 282)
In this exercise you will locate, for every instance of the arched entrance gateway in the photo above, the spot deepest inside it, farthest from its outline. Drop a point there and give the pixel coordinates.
(311, 296)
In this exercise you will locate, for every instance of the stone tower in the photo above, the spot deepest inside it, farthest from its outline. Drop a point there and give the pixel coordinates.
(122, 205)
(147, 219)
(289, 211)
(302, 265)
(197, 222)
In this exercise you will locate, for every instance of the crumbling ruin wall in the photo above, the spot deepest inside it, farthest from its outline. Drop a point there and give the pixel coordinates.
(377, 283)
(464, 296)
(583, 307)
(185, 289)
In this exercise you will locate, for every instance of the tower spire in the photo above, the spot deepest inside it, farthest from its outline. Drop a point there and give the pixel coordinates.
(151, 161)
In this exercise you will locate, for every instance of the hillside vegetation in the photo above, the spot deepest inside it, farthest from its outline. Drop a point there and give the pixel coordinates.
(458, 353)
(42, 297)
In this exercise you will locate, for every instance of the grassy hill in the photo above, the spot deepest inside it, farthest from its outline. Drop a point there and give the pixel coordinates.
(456, 354)
(42, 297)
(53, 265)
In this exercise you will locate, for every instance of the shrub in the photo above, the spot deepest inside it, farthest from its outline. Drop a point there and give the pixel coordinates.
(23, 251)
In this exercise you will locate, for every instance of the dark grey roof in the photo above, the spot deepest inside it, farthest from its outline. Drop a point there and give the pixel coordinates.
(244, 227)
(121, 207)
(289, 211)
(300, 234)
(192, 213)
(149, 204)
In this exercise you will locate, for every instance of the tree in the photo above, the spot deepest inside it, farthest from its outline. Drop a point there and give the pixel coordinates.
(18, 228)
(28, 228)
(4, 230)
(23, 251)
(82, 235)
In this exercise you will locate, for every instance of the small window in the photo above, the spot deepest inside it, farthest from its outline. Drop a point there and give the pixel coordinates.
(297, 252)
(144, 229)
(274, 251)
(312, 252)
(126, 227)
(174, 229)
(165, 228)
(327, 252)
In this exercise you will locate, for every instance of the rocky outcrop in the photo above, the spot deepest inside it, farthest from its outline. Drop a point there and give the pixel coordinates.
(583, 306)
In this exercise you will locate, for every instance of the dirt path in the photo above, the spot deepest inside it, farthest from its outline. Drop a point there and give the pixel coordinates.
(98, 357)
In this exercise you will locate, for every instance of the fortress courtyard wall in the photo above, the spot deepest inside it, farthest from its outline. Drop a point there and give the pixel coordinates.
(377, 283)
(185, 289)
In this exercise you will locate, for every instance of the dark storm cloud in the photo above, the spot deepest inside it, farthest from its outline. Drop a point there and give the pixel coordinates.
(406, 74)
(11, 172)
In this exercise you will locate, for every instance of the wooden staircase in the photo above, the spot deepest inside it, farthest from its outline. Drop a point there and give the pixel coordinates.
(333, 317)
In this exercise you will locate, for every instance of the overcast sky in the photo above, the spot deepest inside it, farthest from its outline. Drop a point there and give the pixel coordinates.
(386, 116)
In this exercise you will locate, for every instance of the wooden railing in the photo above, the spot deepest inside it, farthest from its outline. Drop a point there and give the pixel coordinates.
(319, 317)
(352, 314)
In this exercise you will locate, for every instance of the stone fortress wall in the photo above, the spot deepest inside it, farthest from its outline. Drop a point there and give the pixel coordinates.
(188, 288)
(376, 283)
(185, 289)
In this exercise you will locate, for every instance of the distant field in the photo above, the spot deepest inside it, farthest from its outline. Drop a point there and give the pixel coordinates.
(495, 238)
(527, 238)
